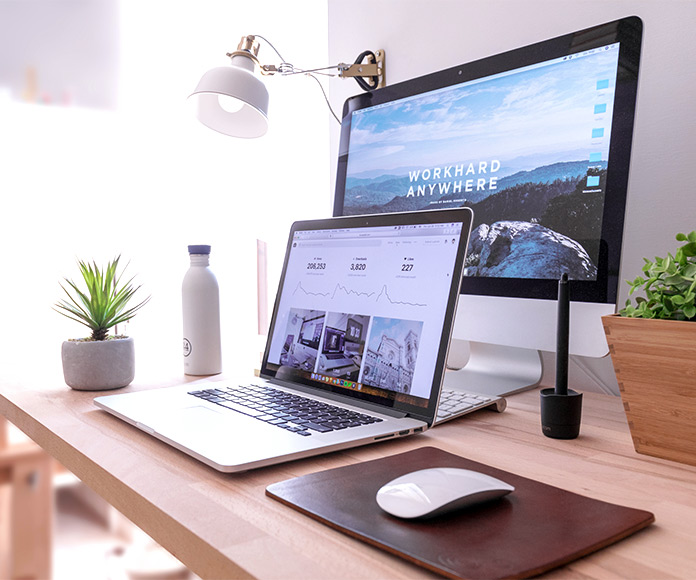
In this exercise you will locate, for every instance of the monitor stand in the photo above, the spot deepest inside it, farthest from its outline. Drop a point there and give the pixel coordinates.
(496, 370)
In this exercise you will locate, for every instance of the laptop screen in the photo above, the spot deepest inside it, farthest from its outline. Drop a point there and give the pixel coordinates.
(365, 306)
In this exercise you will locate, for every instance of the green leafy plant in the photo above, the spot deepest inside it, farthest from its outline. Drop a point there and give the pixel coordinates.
(104, 304)
(669, 285)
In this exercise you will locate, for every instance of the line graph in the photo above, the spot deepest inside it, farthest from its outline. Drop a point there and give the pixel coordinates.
(341, 289)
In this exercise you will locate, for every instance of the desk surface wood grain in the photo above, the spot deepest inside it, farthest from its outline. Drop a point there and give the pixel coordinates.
(224, 526)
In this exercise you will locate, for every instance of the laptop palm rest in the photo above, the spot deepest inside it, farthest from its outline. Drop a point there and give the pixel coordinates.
(220, 439)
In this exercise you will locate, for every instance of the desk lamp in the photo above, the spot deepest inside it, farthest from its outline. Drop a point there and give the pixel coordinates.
(234, 101)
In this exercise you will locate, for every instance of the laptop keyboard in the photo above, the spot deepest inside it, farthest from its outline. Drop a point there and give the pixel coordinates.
(294, 413)
(456, 403)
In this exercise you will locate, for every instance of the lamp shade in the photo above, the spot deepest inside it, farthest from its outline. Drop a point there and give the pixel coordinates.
(239, 82)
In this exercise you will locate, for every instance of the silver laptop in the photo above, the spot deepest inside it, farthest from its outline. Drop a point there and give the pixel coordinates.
(355, 354)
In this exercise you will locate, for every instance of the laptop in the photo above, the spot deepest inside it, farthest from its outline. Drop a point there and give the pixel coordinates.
(355, 354)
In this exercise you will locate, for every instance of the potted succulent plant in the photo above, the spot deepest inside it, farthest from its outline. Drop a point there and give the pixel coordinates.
(653, 348)
(100, 361)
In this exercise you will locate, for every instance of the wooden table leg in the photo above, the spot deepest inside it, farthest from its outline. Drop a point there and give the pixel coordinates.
(4, 436)
(28, 470)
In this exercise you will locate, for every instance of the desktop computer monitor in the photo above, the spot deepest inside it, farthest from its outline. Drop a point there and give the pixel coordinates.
(537, 141)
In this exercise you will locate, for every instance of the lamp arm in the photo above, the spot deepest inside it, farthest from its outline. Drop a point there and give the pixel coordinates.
(369, 75)
(372, 70)
(286, 69)
(360, 71)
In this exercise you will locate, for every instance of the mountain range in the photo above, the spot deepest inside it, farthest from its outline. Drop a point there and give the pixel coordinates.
(388, 193)
(554, 197)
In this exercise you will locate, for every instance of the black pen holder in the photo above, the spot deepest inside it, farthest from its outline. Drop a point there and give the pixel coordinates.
(560, 414)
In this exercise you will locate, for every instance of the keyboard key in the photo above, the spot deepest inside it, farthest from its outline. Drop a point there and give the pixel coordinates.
(319, 428)
(267, 418)
(241, 409)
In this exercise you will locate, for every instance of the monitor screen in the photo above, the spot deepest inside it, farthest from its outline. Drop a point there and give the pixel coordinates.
(354, 330)
(333, 340)
(536, 141)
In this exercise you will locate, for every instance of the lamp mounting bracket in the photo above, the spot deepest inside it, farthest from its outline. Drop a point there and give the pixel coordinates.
(374, 68)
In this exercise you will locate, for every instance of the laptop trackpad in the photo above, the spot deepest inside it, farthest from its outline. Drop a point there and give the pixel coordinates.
(220, 439)
(198, 414)
(199, 422)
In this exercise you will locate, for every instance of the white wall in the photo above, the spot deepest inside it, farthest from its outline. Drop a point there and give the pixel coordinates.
(146, 179)
(424, 36)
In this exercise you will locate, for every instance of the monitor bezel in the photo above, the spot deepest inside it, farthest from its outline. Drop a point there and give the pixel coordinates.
(628, 33)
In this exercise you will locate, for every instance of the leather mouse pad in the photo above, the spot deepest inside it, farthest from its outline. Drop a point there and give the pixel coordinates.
(536, 528)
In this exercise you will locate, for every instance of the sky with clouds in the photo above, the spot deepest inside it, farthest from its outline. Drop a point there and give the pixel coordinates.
(538, 113)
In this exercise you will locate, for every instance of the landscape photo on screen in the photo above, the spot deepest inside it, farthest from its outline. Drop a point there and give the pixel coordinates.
(527, 150)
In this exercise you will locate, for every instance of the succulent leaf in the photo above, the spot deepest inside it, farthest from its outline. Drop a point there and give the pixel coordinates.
(105, 302)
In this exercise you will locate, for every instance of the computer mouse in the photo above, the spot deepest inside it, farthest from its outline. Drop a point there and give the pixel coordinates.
(436, 491)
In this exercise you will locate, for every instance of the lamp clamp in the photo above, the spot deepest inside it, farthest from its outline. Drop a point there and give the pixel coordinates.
(374, 68)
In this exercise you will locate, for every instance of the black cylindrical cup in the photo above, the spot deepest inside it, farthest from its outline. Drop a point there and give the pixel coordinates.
(560, 414)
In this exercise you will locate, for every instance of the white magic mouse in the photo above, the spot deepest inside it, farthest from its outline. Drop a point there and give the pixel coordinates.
(435, 491)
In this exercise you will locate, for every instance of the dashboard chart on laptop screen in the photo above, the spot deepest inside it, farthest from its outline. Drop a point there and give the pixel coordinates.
(363, 308)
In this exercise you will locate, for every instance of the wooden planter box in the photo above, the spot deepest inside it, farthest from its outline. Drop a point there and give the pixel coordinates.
(655, 365)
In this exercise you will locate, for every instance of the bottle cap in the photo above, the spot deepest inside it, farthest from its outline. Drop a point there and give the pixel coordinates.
(199, 249)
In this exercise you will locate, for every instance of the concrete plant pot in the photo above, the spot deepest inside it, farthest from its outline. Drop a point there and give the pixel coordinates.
(98, 365)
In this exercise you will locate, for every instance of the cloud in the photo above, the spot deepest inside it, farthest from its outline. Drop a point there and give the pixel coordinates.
(540, 110)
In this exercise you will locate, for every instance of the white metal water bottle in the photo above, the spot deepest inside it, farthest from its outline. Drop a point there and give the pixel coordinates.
(201, 308)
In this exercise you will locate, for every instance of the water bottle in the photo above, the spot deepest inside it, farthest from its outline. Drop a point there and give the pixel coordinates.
(201, 309)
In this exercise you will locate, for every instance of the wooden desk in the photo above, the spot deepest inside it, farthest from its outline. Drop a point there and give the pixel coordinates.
(223, 526)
